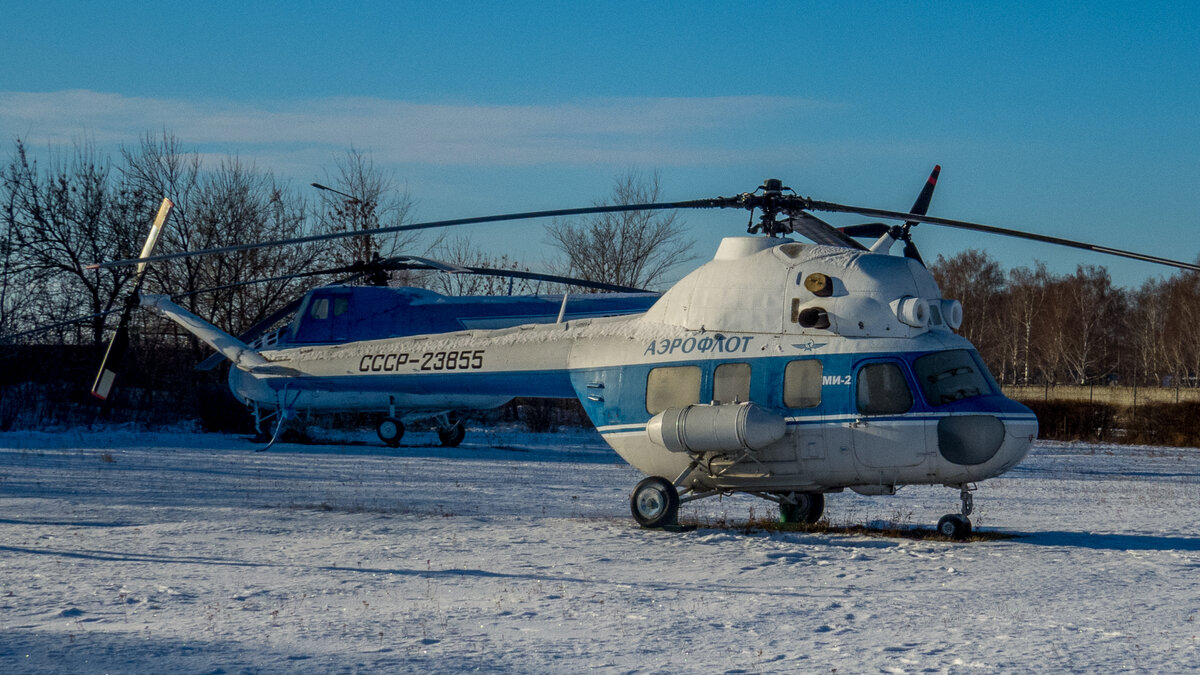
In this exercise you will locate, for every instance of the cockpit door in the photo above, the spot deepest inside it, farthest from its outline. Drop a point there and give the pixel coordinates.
(884, 432)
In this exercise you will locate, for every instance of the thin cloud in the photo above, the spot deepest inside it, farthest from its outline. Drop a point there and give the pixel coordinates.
(620, 131)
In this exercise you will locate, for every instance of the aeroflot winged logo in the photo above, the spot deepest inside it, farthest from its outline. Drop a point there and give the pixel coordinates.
(810, 345)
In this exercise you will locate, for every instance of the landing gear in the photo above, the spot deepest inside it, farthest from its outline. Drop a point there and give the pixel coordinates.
(958, 525)
(452, 435)
(954, 526)
(801, 507)
(655, 503)
(390, 431)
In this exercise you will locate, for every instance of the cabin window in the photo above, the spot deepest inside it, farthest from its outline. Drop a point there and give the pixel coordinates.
(882, 390)
(731, 382)
(341, 306)
(950, 376)
(672, 387)
(320, 309)
(802, 384)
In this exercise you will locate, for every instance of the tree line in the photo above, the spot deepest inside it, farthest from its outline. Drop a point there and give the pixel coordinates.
(78, 207)
(1034, 327)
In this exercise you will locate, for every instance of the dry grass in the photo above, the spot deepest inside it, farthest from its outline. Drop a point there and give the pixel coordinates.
(1123, 396)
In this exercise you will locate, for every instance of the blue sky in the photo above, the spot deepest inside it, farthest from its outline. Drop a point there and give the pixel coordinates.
(1073, 119)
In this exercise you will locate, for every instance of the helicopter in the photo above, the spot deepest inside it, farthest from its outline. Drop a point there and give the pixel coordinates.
(779, 369)
(336, 314)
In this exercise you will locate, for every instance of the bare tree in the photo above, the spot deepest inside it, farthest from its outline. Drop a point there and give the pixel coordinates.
(364, 197)
(231, 203)
(633, 248)
(57, 222)
(976, 280)
(1089, 312)
(459, 250)
(1026, 301)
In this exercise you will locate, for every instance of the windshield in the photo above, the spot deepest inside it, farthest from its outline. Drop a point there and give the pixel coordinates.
(951, 376)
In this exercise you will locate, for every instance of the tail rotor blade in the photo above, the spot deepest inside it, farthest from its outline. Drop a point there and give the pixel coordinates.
(921, 206)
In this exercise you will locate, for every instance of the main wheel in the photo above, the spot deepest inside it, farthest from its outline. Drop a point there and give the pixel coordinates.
(655, 502)
(808, 508)
(453, 435)
(390, 431)
(954, 526)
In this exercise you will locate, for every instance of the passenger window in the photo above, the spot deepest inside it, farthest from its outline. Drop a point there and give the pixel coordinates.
(731, 382)
(320, 309)
(340, 306)
(802, 384)
(672, 387)
(882, 390)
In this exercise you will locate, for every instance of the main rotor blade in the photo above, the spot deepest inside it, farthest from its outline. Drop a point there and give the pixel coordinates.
(867, 230)
(991, 229)
(59, 324)
(110, 367)
(922, 204)
(528, 215)
(518, 274)
(820, 231)
(554, 278)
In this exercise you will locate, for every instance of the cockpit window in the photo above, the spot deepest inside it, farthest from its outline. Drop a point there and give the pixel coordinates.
(320, 309)
(951, 376)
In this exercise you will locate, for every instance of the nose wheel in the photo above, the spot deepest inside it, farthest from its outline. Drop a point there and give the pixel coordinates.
(958, 525)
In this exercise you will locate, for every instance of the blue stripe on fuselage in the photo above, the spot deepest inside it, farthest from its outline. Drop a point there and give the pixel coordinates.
(622, 389)
(530, 383)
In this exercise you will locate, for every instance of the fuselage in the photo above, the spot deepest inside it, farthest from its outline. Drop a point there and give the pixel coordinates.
(349, 319)
(850, 355)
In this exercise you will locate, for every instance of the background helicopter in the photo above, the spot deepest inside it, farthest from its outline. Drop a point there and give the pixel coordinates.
(778, 369)
(338, 314)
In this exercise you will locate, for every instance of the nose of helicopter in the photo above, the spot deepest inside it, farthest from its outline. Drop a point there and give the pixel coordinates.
(989, 440)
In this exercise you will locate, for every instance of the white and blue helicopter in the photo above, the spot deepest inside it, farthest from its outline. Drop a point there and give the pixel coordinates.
(780, 369)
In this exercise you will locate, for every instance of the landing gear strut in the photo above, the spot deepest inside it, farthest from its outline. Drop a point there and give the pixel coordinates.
(958, 525)
(450, 436)
(450, 430)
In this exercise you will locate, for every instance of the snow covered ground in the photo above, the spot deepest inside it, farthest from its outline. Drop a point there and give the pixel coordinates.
(156, 552)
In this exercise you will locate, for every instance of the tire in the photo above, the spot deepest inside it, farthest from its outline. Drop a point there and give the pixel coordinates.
(808, 509)
(954, 526)
(293, 434)
(390, 431)
(452, 436)
(655, 503)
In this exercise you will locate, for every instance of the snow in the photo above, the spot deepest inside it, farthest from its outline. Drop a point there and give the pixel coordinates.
(186, 552)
